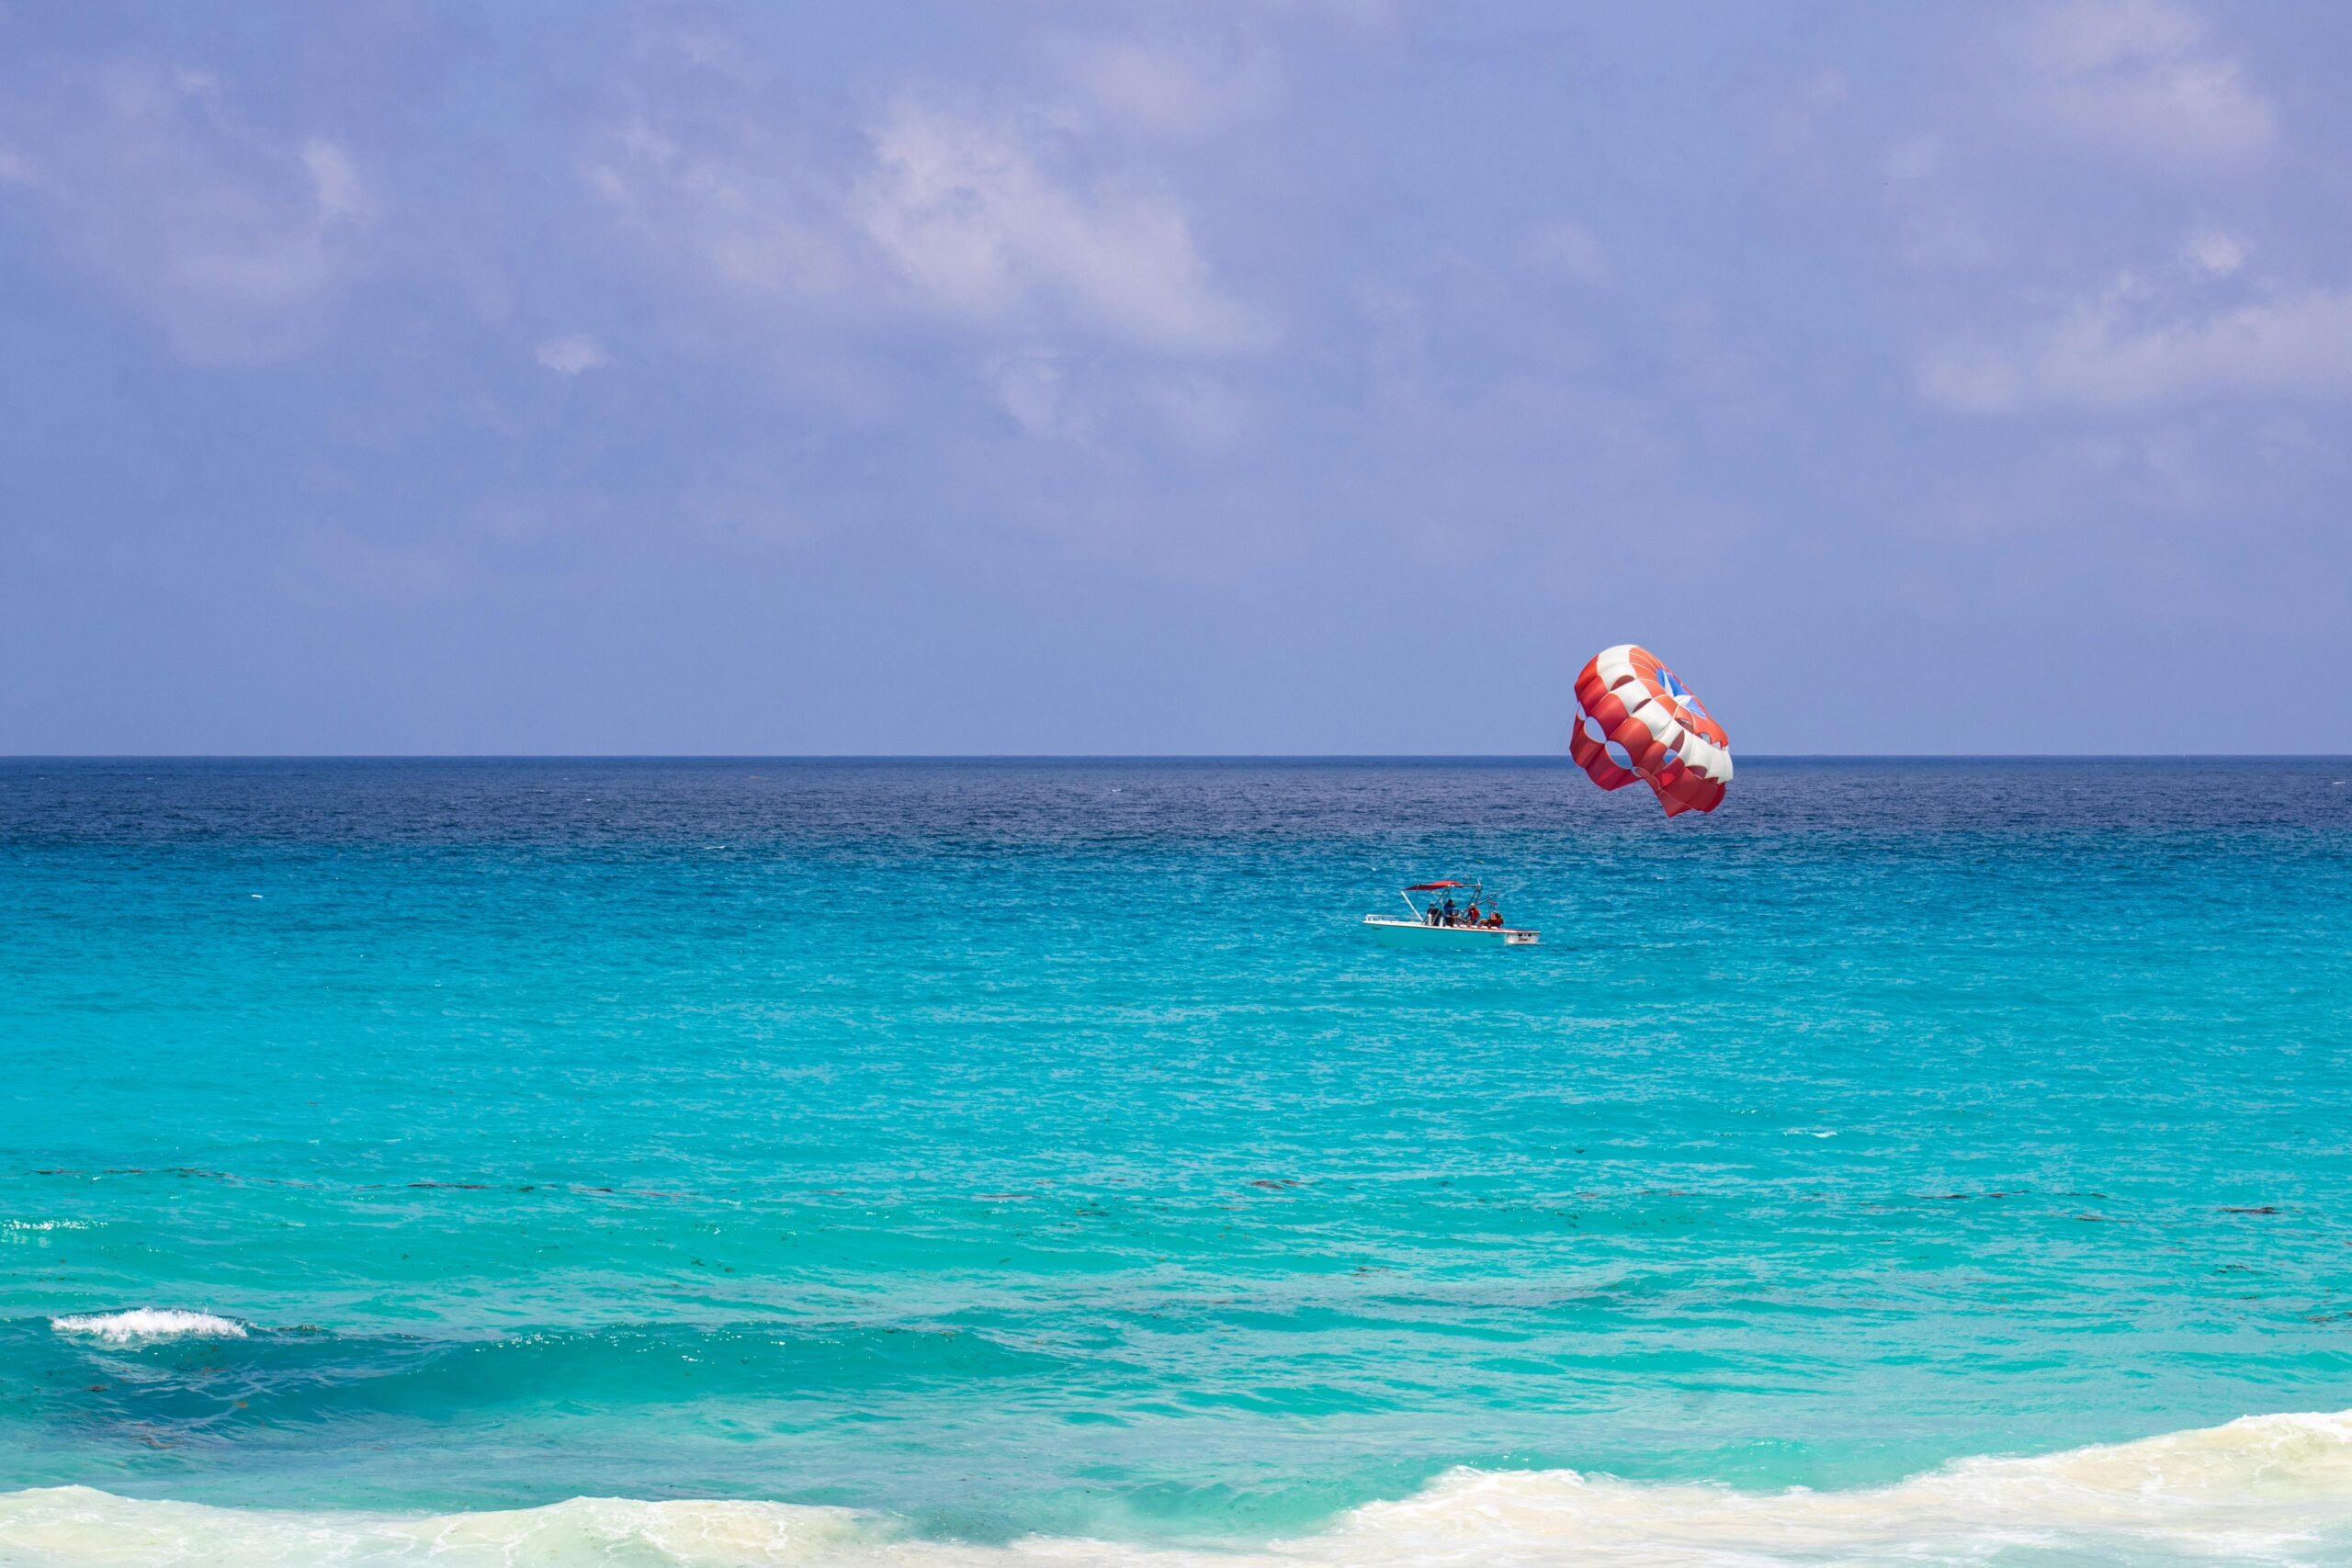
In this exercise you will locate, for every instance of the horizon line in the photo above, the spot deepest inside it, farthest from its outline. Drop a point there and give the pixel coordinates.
(1559, 758)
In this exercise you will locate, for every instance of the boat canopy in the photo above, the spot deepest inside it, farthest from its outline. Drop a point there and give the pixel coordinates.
(1433, 886)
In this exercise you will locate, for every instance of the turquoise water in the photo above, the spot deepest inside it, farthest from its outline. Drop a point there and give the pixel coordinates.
(1013, 1154)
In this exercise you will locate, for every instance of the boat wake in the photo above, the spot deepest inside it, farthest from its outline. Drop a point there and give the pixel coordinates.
(2267, 1489)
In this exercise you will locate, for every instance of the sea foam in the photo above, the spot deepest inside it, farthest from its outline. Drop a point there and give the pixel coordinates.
(2267, 1489)
(141, 1325)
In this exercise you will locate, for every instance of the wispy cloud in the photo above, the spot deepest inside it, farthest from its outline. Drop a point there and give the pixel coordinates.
(1032, 389)
(572, 355)
(2214, 251)
(2133, 346)
(967, 213)
(1179, 89)
(940, 208)
(2142, 81)
(738, 198)
(229, 237)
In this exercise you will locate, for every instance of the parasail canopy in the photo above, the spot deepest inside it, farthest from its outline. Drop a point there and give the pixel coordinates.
(1636, 720)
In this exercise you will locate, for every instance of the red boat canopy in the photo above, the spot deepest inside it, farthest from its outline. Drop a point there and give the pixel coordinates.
(1431, 886)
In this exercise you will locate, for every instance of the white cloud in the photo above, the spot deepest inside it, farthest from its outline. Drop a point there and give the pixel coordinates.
(572, 355)
(1568, 248)
(745, 202)
(2140, 80)
(335, 185)
(2216, 253)
(1032, 389)
(990, 220)
(230, 238)
(1106, 405)
(966, 214)
(1178, 90)
(2128, 349)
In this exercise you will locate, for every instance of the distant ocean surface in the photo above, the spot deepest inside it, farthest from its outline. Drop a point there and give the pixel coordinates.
(962, 1162)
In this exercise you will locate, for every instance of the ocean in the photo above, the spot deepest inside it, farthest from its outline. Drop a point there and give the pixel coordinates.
(758, 1162)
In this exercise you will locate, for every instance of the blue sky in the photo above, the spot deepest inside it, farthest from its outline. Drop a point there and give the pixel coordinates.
(1294, 376)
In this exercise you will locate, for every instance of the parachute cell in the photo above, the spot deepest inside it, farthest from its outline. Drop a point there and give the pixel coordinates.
(1636, 720)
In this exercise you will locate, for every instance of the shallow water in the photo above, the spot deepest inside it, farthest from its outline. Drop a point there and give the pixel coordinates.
(1037, 1153)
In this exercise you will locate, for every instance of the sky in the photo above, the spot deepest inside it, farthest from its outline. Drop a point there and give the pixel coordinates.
(1288, 377)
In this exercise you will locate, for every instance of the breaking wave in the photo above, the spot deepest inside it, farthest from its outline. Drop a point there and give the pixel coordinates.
(2269, 1489)
(144, 1325)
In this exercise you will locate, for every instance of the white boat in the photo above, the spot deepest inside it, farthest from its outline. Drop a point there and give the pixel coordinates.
(1389, 931)
(1429, 927)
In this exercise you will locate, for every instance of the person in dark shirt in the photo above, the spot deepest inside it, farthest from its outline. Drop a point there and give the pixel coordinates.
(1449, 908)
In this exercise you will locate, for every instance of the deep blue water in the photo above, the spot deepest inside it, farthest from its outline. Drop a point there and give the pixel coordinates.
(1005, 1148)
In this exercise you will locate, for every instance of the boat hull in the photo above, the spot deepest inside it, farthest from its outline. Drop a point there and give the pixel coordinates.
(1421, 935)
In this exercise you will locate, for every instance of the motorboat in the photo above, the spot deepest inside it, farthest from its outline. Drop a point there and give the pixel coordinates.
(1431, 928)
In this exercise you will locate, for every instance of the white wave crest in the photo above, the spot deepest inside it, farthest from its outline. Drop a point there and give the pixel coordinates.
(2263, 1489)
(144, 1324)
(2273, 1489)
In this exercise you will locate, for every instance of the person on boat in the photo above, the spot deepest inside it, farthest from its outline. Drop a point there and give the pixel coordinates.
(1494, 919)
(1470, 915)
(1450, 912)
(1434, 915)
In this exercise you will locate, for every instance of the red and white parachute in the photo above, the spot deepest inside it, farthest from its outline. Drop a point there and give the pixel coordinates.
(1634, 720)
